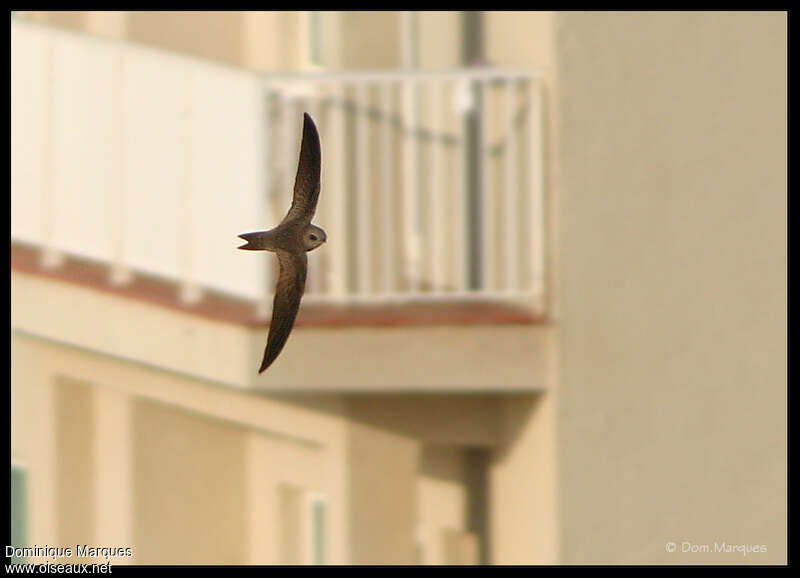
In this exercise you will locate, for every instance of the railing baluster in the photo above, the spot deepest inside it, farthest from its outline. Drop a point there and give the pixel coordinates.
(291, 138)
(315, 269)
(388, 185)
(410, 186)
(265, 303)
(511, 196)
(362, 158)
(338, 194)
(436, 194)
(536, 226)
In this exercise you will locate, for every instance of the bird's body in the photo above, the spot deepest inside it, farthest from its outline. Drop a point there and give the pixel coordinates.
(292, 236)
(290, 240)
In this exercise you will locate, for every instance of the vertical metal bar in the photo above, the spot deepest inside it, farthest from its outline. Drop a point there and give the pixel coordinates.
(511, 190)
(472, 54)
(436, 224)
(388, 186)
(462, 205)
(291, 147)
(411, 249)
(422, 189)
(362, 187)
(472, 35)
(410, 186)
(290, 152)
(536, 164)
(487, 199)
(474, 168)
(338, 194)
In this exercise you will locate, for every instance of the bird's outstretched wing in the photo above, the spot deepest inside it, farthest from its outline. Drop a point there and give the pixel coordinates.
(288, 292)
(307, 181)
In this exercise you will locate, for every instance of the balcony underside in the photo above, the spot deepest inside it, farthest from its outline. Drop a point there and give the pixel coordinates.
(219, 340)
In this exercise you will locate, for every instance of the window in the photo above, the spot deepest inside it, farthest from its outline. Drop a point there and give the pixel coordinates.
(290, 500)
(303, 520)
(18, 510)
(409, 34)
(420, 546)
(315, 38)
(318, 514)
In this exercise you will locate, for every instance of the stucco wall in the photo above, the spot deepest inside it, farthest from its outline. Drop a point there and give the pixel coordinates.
(672, 161)
(174, 464)
(523, 492)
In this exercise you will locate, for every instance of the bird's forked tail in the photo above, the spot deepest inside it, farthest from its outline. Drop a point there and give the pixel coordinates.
(255, 241)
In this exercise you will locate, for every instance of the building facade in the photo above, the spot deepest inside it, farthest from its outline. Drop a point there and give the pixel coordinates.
(553, 330)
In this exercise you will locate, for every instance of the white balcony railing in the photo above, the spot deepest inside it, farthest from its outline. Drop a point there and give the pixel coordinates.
(154, 162)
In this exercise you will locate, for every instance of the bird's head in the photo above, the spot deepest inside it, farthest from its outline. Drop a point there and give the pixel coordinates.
(313, 237)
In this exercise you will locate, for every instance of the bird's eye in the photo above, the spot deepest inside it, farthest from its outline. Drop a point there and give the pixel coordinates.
(313, 237)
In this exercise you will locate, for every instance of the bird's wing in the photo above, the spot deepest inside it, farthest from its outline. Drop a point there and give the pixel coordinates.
(307, 181)
(288, 292)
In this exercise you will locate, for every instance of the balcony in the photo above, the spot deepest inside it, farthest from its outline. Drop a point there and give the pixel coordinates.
(151, 163)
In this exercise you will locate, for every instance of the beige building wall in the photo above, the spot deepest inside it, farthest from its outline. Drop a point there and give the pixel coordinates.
(75, 462)
(523, 490)
(277, 40)
(383, 504)
(516, 39)
(127, 454)
(439, 39)
(71, 19)
(672, 162)
(370, 39)
(669, 128)
(523, 486)
(261, 40)
(216, 35)
(192, 475)
(444, 490)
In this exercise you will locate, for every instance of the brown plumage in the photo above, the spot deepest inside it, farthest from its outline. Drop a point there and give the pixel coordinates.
(290, 240)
